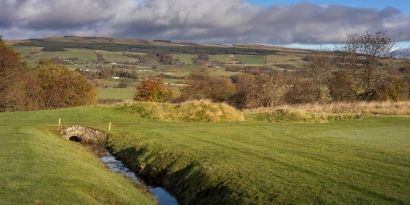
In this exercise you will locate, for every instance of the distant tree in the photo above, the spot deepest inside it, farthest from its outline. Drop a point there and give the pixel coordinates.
(319, 68)
(165, 58)
(12, 79)
(153, 90)
(203, 86)
(59, 87)
(200, 59)
(364, 53)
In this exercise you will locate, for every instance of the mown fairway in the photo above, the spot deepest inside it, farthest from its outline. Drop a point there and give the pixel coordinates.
(343, 162)
(350, 162)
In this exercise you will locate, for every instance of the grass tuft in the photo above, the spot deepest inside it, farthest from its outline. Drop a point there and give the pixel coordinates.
(192, 111)
(328, 112)
(290, 114)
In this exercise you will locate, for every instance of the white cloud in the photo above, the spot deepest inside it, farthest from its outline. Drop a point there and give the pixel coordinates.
(196, 20)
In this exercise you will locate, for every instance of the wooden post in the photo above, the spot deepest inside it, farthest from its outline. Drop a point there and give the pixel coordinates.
(109, 127)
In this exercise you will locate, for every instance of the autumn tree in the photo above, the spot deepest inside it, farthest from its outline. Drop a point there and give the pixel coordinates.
(59, 87)
(260, 90)
(203, 86)
(12, 79)
(153, 90)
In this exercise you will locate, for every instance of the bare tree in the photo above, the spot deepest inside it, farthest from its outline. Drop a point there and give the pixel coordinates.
(363, 56)
(319, 68)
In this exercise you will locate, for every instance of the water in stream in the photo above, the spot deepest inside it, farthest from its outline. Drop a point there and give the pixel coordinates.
(163, 197)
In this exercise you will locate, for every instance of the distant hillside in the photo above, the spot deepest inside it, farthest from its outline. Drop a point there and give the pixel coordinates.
(138, 45)
(402, 53)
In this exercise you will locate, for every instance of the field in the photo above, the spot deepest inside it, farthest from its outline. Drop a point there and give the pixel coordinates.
(116, 93)
(342, 162)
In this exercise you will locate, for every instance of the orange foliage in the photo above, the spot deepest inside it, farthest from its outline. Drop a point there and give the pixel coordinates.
(59, 87)
(12, 74)
(153, 90)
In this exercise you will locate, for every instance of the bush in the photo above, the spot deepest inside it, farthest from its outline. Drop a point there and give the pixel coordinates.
(259, 90)
(302, 91)
(153, 91)
(393, 88)
(203, 86)
(59, 87)
(192, 111)
(341, 87)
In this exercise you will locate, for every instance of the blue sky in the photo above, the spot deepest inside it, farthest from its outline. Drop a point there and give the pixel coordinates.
(403, 5)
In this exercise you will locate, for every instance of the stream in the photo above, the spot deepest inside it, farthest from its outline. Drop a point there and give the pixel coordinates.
(163, 197)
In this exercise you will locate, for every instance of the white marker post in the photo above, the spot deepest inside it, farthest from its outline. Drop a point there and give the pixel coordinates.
(109, 127)
(59, 122)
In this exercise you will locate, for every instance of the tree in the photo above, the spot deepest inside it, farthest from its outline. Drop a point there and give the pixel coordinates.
(319, 67)
(259, 90)
(203, 86)
(363, 56)
(59, 87)
(153, 90)
(200, 59)
(12, 78)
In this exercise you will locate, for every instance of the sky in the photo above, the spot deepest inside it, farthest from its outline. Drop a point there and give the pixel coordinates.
(403, 5)
(274, 22)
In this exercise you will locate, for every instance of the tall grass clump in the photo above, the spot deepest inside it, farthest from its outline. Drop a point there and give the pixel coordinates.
(291, 115)
(367, 108)
(328, 112)
(191, 111)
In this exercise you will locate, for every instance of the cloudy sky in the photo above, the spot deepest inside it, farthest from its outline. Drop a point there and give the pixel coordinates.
(212, 21)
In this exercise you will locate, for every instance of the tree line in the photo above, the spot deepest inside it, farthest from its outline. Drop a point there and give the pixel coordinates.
(48, 86)
(361, 70)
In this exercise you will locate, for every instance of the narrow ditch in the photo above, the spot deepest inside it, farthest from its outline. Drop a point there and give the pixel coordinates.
(163, 197)
(93, 139)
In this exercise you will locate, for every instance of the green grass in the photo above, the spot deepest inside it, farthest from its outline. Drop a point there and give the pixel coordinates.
(116, 93)
(342, 162)
(222, 58)
(38, 167)
(184, 58)
(251, 59)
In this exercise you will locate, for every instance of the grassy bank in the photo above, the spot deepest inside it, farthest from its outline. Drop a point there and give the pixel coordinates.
(191, 111)
(244, 162)
(38, 167)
